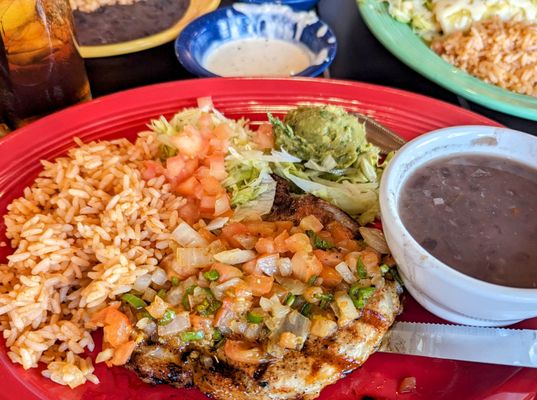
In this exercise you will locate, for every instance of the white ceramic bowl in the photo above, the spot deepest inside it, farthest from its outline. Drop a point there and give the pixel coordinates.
(439, 288)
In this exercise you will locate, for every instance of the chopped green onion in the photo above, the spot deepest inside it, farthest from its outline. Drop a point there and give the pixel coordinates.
(306, 310)
(175, 281)
(212, 275)
(217, 334)
(289, 299)
(319, 243)
(168, 317)
(134, 301)
(326, 299)
(384, 268)
(254, 318)
(312, 280)
(190, 336)
(208, 306)
(162, 293)
(360, 296)
(360, 267)
(184, 301)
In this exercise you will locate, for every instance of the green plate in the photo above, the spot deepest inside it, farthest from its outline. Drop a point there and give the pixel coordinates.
(403, 43)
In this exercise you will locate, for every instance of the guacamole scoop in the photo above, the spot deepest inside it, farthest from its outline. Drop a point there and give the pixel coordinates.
(317, 133)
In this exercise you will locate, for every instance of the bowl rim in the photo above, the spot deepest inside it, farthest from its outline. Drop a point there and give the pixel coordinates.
(183, 43)
(390, 215)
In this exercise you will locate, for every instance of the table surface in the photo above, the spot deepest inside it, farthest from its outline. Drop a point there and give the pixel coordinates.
(360, 57)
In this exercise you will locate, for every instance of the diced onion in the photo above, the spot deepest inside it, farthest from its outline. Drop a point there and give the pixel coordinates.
(187, 236)
(299, 326)
(175, 295)
(159, 276)
(191, 257)
(235, 256)
(347, 312)
(292, 285)
(276, 309)
(311, 223)
(285, 266)
(375, 238)
(343, 269)
(104, 355)
(245, 240)
(142, 283)
(157, 308)
(221, 205)
(268, 264)
(219, 290)
(217, 223)
(180, 323)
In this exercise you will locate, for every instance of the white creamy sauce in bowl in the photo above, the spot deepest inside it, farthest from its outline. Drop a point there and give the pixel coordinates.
(258, 57)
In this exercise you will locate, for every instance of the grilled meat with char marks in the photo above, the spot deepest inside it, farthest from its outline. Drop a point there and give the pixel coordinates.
(299, 374)
(294, 207)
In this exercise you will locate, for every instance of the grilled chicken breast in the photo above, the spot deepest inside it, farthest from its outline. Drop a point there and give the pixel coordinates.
(299, 374)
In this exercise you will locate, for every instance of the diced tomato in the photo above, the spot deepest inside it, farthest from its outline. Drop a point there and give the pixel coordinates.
(178, 168)
(265, 246)
(211, 185)
(217, 167)
(283, 226)
(152, 169)
(205, 124)
(259, 284)
(251, 267)
(117, 328)
(175, 166)
(230, 230)
(190, 212)
(349, 245)
(328, 258)
(305, 265)
(222, 131)
(207, 203)
(122, 353)
(338, 231)
(246, 240)
(207, 235)
(330, 277)
(226, 272)
(370, 258)
(243, 352)
(264, 137)
(190, 142)
(262, 228)
(279, 242)
(189, 187)
(241, 290)
(298, 242)
(201, 323)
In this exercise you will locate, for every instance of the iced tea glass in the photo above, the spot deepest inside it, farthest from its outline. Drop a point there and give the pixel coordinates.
(41, 69)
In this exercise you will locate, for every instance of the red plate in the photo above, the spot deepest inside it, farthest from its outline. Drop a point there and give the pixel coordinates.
(126, 113)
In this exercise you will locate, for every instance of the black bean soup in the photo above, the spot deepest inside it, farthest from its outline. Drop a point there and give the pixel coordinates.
(120, 23)
(477, 214)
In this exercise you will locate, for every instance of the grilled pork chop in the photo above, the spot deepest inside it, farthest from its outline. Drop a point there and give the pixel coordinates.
(300, 374)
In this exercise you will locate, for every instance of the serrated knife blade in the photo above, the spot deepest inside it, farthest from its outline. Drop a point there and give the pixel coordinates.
(515, 347)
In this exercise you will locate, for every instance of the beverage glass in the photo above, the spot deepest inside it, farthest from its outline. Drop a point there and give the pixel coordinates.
(41, 69)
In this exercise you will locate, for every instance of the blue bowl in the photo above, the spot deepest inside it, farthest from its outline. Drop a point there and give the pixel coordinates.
(226, 24)
(301, 5)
